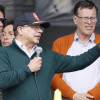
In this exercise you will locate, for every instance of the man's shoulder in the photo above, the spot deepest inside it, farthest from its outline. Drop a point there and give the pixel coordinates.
(97, 38)
(48, 53)
(8, 49)
(5, 49)
(97, 35)
(65, 38)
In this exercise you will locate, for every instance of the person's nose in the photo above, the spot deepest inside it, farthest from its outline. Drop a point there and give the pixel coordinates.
(40, 30)
(89, 21)
(6, 36)
(1, 28)
(1, 24)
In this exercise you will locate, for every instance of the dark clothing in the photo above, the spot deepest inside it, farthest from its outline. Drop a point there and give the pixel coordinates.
(0, 43)
(17, 81)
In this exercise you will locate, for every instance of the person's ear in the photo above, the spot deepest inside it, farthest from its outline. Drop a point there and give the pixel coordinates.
(20, 30)
(75, 19)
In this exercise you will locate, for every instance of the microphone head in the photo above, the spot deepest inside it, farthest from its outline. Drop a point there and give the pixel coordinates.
(38, 51)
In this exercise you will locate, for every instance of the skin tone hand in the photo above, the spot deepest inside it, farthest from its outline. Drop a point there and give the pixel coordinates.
(79, 96)
(35, 64)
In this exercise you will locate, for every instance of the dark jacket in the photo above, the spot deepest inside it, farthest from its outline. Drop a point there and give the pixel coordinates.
(18, 82)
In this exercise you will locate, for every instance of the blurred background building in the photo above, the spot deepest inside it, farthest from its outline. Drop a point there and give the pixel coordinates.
(58, 12)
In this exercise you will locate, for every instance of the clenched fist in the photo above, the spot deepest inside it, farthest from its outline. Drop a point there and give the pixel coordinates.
(35, 64)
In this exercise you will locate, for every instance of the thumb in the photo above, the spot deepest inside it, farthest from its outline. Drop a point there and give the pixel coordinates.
(89, 96)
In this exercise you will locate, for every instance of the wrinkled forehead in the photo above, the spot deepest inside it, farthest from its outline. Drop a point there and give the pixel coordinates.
(86, 11)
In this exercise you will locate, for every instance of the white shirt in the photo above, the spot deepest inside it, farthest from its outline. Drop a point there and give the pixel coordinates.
(23, 47)
(83, 80)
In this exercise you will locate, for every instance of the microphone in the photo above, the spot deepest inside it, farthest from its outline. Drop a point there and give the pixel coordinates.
(38, 51)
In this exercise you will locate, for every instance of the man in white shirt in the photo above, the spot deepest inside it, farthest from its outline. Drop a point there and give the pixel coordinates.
(76, 85)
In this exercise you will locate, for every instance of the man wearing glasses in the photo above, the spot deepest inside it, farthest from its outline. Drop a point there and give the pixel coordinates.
(2, 19)
(2, 22)
(83, 84)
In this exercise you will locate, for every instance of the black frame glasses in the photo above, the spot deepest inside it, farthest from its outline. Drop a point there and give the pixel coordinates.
(85, 19)
(3, 20)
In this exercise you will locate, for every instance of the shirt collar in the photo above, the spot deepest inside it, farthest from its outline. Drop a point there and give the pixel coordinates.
(23, 46)
(91, 39)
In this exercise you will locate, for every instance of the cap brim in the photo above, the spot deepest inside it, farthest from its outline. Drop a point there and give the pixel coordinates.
(43, 24)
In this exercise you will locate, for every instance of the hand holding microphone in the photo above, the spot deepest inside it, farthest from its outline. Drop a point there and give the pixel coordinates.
(35, 64)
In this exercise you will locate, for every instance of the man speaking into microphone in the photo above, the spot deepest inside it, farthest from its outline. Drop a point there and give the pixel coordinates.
(26, 71)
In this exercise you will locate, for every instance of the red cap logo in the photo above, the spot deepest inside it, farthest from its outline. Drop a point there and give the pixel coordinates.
(36, 17)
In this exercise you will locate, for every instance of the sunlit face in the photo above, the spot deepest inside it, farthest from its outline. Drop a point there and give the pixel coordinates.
(7, 35)
(31, 34)
(1, 24)
(85, 27)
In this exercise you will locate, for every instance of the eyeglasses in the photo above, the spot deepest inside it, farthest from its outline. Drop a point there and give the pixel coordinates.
(37, 27)
(3, 20)
(85, 19)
